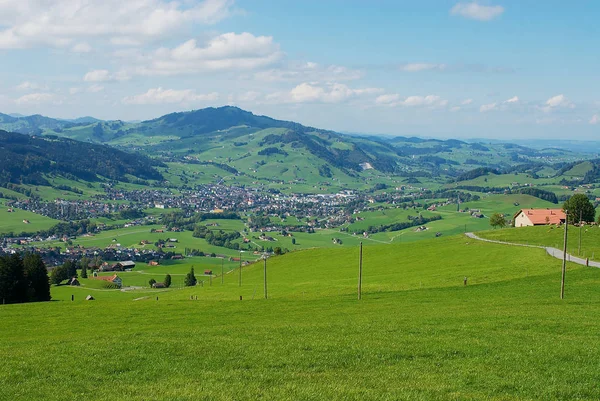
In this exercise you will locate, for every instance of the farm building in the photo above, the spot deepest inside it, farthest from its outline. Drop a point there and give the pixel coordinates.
(113, 279)
(539, 217)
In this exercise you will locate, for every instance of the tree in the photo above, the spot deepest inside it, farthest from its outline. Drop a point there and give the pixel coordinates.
(83, 264)
(167, 281)
(580, 206)
(58, 275)
(497, 220)
(190, 279)
(70, 268)
(277, 251)
(151, 282)
(293, 241)
(13, 284)
(37, 278)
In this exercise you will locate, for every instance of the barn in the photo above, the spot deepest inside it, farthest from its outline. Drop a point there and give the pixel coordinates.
(539, 217)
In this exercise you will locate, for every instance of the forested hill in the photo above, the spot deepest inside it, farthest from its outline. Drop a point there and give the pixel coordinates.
(26, 159)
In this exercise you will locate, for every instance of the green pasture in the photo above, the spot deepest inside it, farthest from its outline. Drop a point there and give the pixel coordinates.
(552, 236)
(13, 221)
(417, 334)
(505, 180)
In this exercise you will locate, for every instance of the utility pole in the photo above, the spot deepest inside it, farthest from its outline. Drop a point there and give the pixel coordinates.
(360, 272)
(564, 264)
(580, 217)
(265, 266)
(240, 268)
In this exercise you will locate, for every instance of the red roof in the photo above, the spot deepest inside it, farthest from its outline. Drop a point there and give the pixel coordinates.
(107, 278)
(544, 216)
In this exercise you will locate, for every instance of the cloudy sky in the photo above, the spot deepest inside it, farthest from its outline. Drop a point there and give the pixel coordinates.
(438, 68)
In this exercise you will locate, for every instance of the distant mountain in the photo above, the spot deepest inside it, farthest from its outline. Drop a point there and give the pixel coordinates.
(271, 149)
(84, 120)
(27, 160)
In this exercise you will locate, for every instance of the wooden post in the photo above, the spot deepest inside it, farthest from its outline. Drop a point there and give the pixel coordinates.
(564, 264)
(240, 269)
(265, 267)
(580, 217)
(360, 272)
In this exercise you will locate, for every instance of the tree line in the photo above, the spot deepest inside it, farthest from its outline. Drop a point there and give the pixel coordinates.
(23, 279)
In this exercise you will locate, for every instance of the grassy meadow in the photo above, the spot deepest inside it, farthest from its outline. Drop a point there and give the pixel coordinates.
(13, 221)
(552, 236)
(417, 334)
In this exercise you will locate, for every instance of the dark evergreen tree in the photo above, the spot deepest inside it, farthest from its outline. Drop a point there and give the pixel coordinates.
(71, 268)
(58, 275)
(579, 206)
(84, 272)
(13, 284)
(167, 281)
(190, 279)
(151, 282)
(37, 278)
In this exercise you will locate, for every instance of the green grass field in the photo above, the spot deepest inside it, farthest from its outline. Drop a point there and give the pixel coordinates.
(13, 221)
(418, 333)
(552, 236)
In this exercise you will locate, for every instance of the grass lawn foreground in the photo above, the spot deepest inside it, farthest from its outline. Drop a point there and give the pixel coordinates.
(418, 333)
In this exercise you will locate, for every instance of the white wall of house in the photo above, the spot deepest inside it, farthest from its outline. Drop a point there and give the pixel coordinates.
(522, 220)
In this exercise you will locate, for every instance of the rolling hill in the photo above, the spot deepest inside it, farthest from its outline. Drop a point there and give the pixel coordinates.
(269, 150)
(27, 159)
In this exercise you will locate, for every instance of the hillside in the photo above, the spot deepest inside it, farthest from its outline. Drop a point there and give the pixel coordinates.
(418, 333)
(270, 151)
(27, 159)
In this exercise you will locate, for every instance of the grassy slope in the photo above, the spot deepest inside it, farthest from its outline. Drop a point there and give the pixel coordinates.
(13, 222)
(507, 338)
(552, 236)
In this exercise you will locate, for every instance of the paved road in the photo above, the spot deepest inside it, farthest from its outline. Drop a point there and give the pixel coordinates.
(554, 252)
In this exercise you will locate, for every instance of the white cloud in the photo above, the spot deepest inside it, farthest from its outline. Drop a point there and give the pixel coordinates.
(394, 100)
(37, 98)
(557, 102)
(595, 119)
(104, 76)
(418, 67)
(455, 109)
(330, 93)
(429, 100)
(249, 96)
(81, 48)
(63, 22)
(477, 11)
(27, 86)
(466, 102)
(505, 105)
(388, 99)
(95, 88)
(308, 72)
(229, 51)
(488, 107)
(74, 91)
(160, 96)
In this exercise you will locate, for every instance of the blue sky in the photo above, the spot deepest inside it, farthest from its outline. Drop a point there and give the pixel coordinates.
(461, 69)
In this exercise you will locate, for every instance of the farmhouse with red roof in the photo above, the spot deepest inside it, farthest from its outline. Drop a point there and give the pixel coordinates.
(113, 279)
(539, 217)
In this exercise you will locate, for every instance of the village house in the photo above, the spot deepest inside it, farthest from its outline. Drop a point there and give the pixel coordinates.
(539, 217)
(113, 279)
